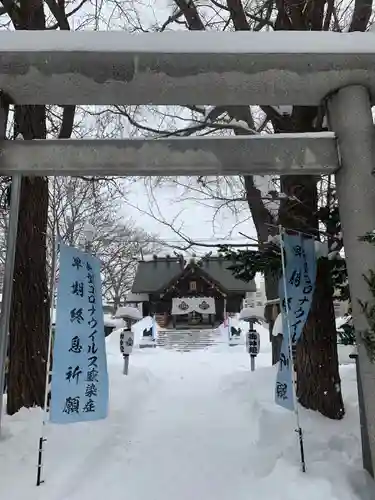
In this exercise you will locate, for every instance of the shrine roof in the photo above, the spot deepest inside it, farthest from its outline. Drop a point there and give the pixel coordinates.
(154, 275)
(217, 269)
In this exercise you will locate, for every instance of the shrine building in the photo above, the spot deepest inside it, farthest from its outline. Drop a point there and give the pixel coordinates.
(181, 294)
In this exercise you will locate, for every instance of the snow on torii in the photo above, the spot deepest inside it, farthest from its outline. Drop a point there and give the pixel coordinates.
(276, 68)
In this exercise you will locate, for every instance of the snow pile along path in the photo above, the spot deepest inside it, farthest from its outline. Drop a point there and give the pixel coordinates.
(195, 425)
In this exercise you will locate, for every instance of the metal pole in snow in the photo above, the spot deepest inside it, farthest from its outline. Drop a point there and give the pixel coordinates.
(299, 429)
(126, 364)
(252, 363)
(42, 438)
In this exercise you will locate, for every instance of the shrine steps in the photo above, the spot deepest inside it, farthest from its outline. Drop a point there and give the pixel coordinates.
(187, 340)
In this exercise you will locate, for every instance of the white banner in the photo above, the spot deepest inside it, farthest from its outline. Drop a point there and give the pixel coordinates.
(79, 387)
(186, 305)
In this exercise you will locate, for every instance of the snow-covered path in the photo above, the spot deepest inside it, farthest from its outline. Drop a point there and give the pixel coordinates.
(179, 446)
(186, 426)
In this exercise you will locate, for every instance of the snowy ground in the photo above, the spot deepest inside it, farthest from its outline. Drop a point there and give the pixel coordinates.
(188, 426)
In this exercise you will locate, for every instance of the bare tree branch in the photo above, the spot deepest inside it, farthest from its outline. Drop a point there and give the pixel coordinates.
(238, 15)
(361, 15)
(190, 11)
(58, 10)
(68, 15)
(13, 11)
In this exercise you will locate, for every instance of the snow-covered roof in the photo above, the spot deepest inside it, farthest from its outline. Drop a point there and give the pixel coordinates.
(160, 273)
(128, 312)
(109, 320)
(251, 312)
(275, 68)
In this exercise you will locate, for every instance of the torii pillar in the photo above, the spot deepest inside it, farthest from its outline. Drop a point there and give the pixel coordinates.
(350, 117)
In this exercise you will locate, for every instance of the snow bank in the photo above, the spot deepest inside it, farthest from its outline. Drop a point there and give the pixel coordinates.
(244, 327)
(113, 343)
(344, 352)
(138, 328)
(333, 451)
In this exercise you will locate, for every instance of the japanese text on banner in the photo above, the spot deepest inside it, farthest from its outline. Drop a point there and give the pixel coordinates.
(79, 388)
(300, 275)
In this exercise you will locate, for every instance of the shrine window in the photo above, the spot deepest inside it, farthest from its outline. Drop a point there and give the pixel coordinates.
(193, 286)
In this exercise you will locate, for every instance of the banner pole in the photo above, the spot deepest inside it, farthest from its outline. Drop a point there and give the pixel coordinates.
(291, 360)
(42, 438)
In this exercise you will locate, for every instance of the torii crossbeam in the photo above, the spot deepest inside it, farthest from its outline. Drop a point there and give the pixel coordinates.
(299, 154)
(274, 68)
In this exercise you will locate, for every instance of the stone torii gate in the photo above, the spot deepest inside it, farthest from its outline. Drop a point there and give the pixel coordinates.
(333, 70)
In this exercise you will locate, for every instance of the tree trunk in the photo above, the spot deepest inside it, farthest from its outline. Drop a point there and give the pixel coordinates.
(318, 386)
(29, 321)
(318, 379)
(116, 302)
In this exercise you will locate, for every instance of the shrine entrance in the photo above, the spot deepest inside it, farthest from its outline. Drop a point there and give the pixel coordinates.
(193, 311)
(335, 72)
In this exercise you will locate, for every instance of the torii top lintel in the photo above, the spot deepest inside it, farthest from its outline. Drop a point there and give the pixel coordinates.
(275, 68)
